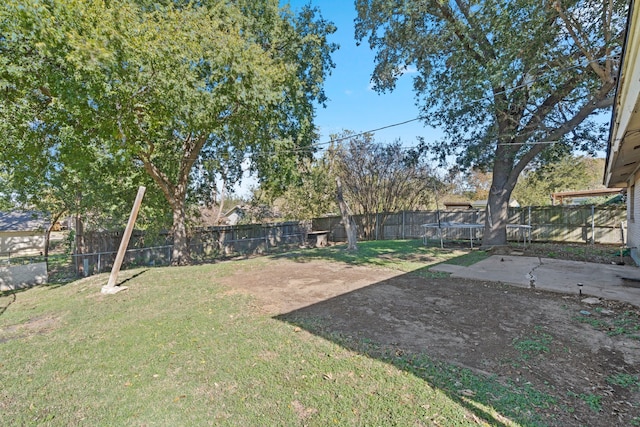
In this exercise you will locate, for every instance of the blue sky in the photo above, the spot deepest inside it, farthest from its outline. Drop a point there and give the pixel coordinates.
(352, 104)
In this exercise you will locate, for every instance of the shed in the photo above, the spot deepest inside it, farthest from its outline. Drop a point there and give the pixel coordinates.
(235, 215)
(22, 232)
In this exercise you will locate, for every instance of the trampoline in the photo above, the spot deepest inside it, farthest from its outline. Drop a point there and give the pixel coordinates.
(524, 230)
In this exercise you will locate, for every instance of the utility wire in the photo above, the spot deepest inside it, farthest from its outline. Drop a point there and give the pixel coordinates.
(550, 73)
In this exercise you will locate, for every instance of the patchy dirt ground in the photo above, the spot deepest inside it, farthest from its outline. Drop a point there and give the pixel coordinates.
(589, 364)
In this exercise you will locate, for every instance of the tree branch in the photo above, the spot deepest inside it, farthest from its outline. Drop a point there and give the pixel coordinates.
(586, 52)
(546, 107)
(447, 14)
(598, 101)
(190, 155)
(159, 177)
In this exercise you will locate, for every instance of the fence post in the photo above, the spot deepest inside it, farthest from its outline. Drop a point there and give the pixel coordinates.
(593, 225)
(376, 226)
(403, 226)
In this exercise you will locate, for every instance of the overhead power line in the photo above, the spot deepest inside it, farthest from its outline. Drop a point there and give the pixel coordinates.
(470, 102)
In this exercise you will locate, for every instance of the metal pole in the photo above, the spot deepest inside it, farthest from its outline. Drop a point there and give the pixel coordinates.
(529, 224)
(440, 229)
(110, 287)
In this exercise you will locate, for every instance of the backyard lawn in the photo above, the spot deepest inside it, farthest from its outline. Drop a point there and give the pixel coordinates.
(316, 337)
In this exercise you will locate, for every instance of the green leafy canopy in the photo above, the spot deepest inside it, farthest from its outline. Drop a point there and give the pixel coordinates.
(165, 85)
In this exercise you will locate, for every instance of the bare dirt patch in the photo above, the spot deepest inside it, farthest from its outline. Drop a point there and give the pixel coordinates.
(34, 326)
(589, 364)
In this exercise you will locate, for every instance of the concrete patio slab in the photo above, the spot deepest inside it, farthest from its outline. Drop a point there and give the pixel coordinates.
(613, 282)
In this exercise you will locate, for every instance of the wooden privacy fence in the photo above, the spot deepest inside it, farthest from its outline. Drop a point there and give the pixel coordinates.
(571, 224)
(246, 239)
(99, 249)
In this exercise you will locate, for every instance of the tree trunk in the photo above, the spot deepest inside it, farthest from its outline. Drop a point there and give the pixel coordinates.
(221, 205)
(497, 213)
(176, 194)
(352, 233)
(366, 226)
(349, 224)
(47, 240)
(79, 249)
(47, 236)
(180, 255)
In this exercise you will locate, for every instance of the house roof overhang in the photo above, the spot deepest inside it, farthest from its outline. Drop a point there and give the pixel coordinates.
(623, 154)
(561, 195)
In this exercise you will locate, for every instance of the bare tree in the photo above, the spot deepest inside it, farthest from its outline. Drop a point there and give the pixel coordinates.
(380, 179)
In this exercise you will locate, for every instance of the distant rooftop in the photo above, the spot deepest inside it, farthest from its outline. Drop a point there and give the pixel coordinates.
(23, 221)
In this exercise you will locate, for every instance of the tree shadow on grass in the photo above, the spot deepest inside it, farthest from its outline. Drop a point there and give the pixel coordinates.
(120, 283)
(12, 298)
(415, 324)
(140, 273)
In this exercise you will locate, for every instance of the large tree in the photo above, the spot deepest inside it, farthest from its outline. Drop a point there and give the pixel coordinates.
(45, 163)
(170, 83)
(504, 79)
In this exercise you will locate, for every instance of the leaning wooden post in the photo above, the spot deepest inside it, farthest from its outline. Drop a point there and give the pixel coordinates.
(110, 287)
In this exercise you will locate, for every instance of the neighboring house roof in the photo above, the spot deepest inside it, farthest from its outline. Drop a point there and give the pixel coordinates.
(458, 205)
(623, 153)
(476, 204)
(482, 204)
(23, 221)
(237, 209)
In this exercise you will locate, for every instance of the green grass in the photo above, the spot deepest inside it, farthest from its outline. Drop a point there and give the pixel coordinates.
(404, 255)
(593, 401)
(577, 251)
(177, 349)
(491, 398)
(534, 345)
(626, 323)
(632, 382)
